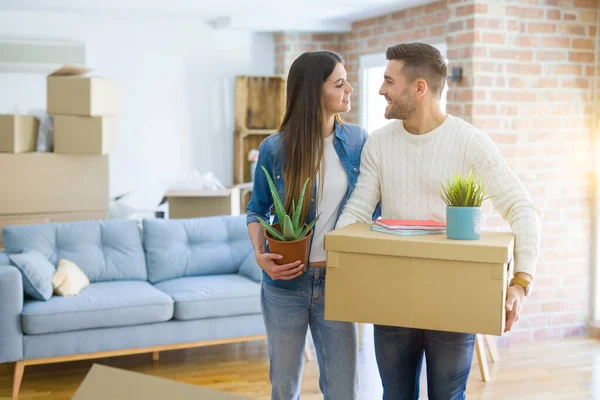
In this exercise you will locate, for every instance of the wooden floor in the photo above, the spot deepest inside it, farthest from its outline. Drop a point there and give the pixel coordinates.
(562, 369)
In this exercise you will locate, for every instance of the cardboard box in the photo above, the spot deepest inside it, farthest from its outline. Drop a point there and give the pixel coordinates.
(72, 92)
(203, 203)
(28, 219)
(103, 383)
(84, 135)
(18, 133)
(426, 282)
(53, 183)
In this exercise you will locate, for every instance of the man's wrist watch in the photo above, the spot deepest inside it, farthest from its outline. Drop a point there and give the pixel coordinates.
(522, 282)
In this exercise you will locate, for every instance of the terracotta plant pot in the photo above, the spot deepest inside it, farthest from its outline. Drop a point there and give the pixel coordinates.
(291, 251)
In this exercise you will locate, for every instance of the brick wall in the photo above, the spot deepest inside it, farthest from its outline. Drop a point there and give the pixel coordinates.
(529, 70)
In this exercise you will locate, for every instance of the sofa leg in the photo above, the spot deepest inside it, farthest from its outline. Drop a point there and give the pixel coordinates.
(155, 356)
(19, 370)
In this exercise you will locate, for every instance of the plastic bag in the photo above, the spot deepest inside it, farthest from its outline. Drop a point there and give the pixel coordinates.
(45, 139)
(197, 181)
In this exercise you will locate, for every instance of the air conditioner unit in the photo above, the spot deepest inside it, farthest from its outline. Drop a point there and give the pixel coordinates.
(41, 56)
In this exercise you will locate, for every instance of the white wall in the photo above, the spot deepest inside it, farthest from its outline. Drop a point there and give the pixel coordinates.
(177, 88)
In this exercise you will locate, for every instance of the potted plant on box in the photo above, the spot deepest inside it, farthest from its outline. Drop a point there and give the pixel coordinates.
(289, 237)
(463, 197)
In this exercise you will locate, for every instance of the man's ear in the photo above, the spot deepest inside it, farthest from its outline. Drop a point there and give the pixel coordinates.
(421, 88)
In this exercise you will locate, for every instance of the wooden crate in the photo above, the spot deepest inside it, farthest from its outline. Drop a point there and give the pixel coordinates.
(259, 102)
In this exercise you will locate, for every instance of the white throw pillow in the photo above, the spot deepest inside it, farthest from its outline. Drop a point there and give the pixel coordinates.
(69, 280)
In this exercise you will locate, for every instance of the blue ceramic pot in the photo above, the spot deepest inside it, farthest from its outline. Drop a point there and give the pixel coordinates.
(463, 223)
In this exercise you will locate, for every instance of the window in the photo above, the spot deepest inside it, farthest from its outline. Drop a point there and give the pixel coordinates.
(371, 69)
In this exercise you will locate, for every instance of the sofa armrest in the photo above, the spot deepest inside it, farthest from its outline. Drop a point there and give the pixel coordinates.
(11, 306)
(250, 269)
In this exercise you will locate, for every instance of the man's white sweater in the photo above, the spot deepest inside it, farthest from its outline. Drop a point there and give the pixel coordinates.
(406, 171)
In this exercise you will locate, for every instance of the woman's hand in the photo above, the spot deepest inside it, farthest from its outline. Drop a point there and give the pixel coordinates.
(284, 272)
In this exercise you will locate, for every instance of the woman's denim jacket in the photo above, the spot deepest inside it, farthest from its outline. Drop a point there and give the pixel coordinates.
(348, 143)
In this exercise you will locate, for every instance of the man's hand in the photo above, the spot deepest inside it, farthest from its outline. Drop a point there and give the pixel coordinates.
(284, 272)
(514, 301)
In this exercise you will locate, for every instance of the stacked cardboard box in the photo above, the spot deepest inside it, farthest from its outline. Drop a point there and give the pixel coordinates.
(84, 110)
(71, 183)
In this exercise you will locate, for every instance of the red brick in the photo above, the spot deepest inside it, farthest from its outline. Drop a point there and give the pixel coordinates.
(470, 23)
(378, 30)
(524, 69)
(572, 30)
(569, 17)
(567, 69)
(555, 306)
(509, 110)
(365, 23)
(556, 42)
(593, 30)
(551, 55)
(576, 83)
(399, 14)
(365, 33)
(586, 3)
(484, 109)
(420, 34)
(581, 57)
(553, 14)
(528, 41)
(482, 80)
(402, 37)
(520, 55)
(587, 16)
(517, 83)
(541, 28)
(437, 31)
(494, 38)
(583, 44)
(547, 83)
(456, 26)
(559, 3)
(525, 12)
(488, 23)
(463, 11)
(466, 38)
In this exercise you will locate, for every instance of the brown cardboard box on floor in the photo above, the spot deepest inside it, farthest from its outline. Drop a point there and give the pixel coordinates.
(18, 133)
(28, 219)
(107, 383)
(203, 203)
(70, 92)
(426, 282)
(52, 183)
(84, 135)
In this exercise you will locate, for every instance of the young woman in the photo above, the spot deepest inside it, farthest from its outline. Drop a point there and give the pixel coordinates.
(313, 144)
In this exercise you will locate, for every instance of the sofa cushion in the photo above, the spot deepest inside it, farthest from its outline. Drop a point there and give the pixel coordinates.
(37, 273)
(104, 250)
(177, 248)
(212, 296)
(100, 305)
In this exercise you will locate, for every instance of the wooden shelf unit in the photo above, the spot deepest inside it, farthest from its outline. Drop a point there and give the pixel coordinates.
(259, 102)
(259, 110)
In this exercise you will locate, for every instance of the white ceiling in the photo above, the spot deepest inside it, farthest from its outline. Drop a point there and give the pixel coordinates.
(255, 15)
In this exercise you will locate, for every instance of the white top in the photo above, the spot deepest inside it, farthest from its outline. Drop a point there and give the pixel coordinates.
(335, 187)
(406, 171)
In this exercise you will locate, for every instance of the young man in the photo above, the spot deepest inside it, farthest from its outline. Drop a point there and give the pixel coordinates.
(403, 165)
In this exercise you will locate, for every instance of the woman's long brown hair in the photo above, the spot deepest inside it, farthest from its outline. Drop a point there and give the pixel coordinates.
(301, 140)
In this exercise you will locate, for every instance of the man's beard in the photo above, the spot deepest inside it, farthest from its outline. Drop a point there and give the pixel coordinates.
(403, 109)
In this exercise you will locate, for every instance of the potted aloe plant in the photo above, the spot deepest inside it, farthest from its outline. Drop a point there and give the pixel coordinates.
(290, 237)
(463, 197)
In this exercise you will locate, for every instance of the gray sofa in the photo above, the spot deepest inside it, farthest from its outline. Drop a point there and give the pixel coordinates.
(173, 284)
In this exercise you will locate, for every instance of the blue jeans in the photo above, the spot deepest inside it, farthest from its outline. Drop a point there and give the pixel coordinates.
(400, 351)
(288, 314)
